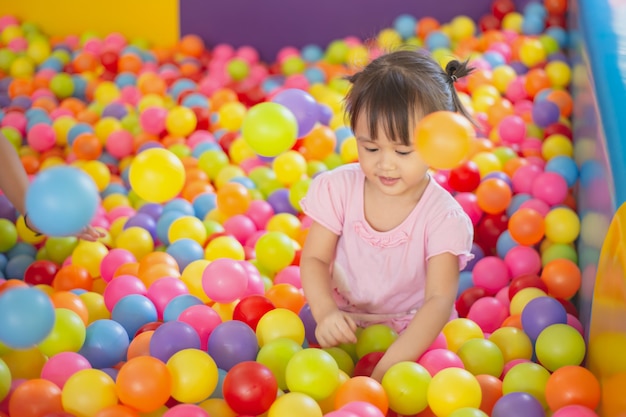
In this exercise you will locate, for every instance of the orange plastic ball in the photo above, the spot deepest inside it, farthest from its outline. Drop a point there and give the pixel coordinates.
(493, 195)
(526, 226)
(562, 277)
(443, 139)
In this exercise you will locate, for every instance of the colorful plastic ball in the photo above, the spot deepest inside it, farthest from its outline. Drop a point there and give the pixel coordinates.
(406, 385)
(40, 272)
(465, 177)
(518, 404)
(35, 397)
(458, 331)
(269, 128)
(527, 226)
(224, 280)
(493, 195)
(513, 343)
(573, 385)
(67, 335)
(443, 139)
(26, 317)
(437, 359)
(562, 278)
(491, 273)
(250, 388)
(559, 345)
(87, 392)
(540, 313)
(290, 167)
(276, 355)
(232, 342)
(366, 364)
(362, 388)
(120, 287)
(375, 338)
(233, 199)
(186, 410)
(451, 389)
(274, 251)
(302, 105)
(482, 357)
(194, 375)
(527, 377)
(562, 225)
(180, 121)
(278, 323)
(575, 411)
(157, 166)
(144, 383)
(61, 201)
(489, 313)
(313, 372)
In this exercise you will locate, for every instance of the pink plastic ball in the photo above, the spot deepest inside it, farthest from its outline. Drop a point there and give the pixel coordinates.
(113, 260)
(437, 359)
(41, 137)
(129, 94)
(491, 273)
(539, 206)
(523, 260)
(574, 411)
(503, 296)
(289, 275)
(186, 410)
(203, 319)
(502, 48)
(248, 54)
(550, 187)
(15, 120)
(163, 290)
(224, 280)
(516, 90)
(120, 144)
(240, 226)
(469, 203)
(223, 51)
(489, 313)
(260, 211)
(256, 285)
(512, 130)
(152, 120)
(120, 287)
(286, 52)
(524, 177)
(362, 409)
(298, 81)
(576, 324)
(440, 342)
(200, 136)
(120, 211)
(60, 367)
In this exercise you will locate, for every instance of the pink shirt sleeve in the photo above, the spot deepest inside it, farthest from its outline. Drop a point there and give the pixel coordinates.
(323, 202)
(451, 232)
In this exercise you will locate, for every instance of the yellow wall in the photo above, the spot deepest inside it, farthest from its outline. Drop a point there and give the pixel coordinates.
(129, 17)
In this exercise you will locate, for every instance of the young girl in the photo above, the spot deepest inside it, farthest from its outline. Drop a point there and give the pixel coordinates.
(387, 242)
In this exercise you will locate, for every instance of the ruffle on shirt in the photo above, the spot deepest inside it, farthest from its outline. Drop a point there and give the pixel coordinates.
(389, 240)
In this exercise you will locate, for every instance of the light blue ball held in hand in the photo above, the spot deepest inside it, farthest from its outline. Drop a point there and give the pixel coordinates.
(61, 201)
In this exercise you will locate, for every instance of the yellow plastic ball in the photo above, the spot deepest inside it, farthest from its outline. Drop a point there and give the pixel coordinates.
(557, 145)
(106, 92)
(523, 297)
(157, 166)
(460, 330)
(462, 27)
(224, 247)
(187, 227)
(98, 172)
(193, 374)
(289, 167)
(562, 225)
(231, 115)
(136, 240)
(559, 74)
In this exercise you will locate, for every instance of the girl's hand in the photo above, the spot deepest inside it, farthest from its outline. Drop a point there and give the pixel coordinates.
(335, 328)
(88, 233)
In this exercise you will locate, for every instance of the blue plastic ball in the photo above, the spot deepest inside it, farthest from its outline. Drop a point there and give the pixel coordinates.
(62, 200)
(26, 317)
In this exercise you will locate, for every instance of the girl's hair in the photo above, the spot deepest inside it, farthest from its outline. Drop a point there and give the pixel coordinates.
(399, 86)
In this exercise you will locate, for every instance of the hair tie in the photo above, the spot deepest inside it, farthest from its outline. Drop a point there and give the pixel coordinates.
(453, 78)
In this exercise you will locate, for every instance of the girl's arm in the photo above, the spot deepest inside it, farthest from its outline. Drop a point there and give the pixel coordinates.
(442, 278)
(13, 178)
(333, 326)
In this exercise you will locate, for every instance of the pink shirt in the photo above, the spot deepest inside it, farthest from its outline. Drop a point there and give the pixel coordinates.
(380, 277)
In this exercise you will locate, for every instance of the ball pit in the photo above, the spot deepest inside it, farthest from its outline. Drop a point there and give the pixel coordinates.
(193, 162)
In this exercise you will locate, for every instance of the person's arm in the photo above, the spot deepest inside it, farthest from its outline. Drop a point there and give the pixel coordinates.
(333, 326)
(442, 279)
(13, 178)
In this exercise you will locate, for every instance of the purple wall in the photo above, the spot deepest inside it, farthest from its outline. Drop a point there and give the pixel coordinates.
(269, 25)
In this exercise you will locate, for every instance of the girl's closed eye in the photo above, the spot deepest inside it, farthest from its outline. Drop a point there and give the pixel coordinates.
(404, 153)
(370, 149)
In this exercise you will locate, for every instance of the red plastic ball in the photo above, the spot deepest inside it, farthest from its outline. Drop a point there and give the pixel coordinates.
(467, 298)
(148, 327)
(464, 178)
(40, 272)
(526, 281)
(251, 308)
(489, 22)
(489, 230)
(501, 8)
(250, 388)
(365, 366)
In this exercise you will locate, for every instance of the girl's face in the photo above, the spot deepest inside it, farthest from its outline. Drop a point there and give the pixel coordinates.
(393, 168)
